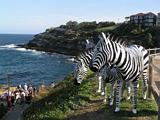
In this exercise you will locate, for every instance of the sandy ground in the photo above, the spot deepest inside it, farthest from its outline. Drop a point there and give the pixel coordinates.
(4, 89)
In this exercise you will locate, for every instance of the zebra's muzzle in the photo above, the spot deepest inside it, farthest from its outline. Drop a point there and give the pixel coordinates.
(76, 83)
(94, 69)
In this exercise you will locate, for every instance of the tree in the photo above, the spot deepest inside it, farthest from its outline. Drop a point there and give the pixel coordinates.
(149, 40)
(72, 24)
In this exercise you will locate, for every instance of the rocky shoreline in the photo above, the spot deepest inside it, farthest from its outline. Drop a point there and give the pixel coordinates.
(67, 47)
(69, 39)
(68, 52)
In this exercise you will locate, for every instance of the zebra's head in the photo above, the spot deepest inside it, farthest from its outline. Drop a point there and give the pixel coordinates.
(101, 53)
(80, 72)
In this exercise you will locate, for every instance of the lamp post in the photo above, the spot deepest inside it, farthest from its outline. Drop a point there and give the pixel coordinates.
(8, 96)
(8, 83)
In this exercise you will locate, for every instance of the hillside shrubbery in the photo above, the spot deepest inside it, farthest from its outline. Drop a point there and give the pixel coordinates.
(69, 102)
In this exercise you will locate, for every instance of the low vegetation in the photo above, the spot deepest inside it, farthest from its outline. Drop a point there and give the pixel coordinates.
(69, 102)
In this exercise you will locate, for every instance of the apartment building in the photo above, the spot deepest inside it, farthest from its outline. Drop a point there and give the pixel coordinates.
(158, 19)
(148, 19)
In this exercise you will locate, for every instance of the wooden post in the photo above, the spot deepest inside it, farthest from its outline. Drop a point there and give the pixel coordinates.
(149, 51)
(150, 76)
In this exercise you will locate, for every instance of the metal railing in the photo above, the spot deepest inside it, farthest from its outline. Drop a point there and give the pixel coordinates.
(154, 51)
(152, 84)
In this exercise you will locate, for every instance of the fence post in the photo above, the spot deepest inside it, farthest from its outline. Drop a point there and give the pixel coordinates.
(150, 77)
(149, 51)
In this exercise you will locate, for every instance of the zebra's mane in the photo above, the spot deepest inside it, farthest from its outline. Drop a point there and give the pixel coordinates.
(117, 39)
(84, 54)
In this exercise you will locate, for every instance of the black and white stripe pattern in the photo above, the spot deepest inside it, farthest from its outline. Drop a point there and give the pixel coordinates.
(131, 61)
(106, 74)
(109, 74)
(82, 65)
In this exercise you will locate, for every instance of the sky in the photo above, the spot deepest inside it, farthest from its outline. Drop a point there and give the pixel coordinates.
(35, 16)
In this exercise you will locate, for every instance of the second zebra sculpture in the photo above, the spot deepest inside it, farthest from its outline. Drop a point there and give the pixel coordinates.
(132, 61)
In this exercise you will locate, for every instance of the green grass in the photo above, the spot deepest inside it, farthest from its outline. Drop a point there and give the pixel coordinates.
(104, 29)
(69, 102)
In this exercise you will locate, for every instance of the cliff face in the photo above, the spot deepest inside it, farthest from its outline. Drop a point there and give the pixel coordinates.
(67, 39)
(65, 47)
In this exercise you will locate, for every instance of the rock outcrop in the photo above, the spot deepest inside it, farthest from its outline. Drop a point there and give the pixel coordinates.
(67, 39)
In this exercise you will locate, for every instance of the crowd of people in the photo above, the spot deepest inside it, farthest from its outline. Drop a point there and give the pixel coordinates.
(21, 95)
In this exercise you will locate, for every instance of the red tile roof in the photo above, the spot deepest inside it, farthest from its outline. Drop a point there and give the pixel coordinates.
(142, 14)
(150, 13)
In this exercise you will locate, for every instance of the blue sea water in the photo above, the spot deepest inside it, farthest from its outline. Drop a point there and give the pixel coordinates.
(30, 66)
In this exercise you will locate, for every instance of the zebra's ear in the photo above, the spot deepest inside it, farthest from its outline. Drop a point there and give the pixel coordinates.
(82, 63)
(76, 59)
(87, 41)
(104, 37)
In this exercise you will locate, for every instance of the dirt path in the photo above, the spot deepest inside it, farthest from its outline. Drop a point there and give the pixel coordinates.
(15, 113)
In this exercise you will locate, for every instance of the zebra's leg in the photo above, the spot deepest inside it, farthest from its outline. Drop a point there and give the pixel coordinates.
(103, 93)
(112, 83)
(145, 87)
(134, 97)
(118, 95)
(128, 86)
(99, 84)
(105, 90)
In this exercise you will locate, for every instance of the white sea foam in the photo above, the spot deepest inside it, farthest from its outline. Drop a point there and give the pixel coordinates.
(9, 46)
(21, 49)
(15, 47)
(71, 59)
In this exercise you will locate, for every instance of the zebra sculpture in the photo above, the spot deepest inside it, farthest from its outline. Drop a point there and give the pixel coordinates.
(131, 62)
(105, 75)
(109, 73)
(80, 70)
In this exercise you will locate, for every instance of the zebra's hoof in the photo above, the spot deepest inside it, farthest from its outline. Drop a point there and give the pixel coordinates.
(117, 110)
(144, 97)
(134, 111)
(104, 100)
(98, 91)
(102, 93)
(111, 103)
(128, 98)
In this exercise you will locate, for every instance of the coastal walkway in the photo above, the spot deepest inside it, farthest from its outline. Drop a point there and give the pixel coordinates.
(16, 112)
(154, 76)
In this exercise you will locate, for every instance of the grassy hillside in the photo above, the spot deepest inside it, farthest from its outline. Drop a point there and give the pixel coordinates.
(107, 29)
(69, 102)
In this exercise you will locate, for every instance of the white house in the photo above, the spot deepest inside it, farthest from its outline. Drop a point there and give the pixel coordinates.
(158, 20)
(148, 19)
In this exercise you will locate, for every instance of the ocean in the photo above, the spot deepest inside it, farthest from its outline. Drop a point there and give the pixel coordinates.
(20, 65)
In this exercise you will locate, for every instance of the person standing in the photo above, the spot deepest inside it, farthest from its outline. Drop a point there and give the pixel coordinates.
(9, 99)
